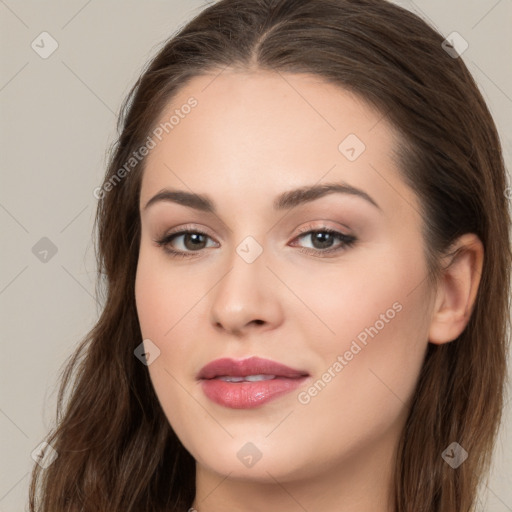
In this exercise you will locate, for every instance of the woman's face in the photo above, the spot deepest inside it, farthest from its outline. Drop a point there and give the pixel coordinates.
(259, 276)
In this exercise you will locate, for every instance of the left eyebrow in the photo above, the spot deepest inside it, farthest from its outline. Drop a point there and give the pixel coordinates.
(284, 201)
(302, 195)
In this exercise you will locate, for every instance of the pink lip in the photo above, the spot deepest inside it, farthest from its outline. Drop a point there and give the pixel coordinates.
(245, 395)
(250, 366)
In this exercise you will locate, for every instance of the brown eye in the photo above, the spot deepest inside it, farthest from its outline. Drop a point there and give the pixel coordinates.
(184, 242)
(322, 241)
(194, 241)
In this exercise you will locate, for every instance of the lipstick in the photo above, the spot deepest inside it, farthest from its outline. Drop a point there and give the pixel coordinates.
(248, 383)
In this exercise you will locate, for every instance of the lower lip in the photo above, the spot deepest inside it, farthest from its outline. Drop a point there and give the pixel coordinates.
(246, 395)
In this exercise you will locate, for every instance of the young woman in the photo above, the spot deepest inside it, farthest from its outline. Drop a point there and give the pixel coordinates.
(304, 238)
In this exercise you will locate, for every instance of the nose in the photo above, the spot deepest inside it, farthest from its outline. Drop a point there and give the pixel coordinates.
(246, 297)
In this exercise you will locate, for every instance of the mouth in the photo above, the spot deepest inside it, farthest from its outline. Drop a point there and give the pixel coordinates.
(248, 383)
(247, 378)
(253, 369)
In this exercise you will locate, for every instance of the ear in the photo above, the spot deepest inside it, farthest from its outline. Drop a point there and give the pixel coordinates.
(457, 289)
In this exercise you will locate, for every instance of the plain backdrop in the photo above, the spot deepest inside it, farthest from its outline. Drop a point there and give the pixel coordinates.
(58, 118)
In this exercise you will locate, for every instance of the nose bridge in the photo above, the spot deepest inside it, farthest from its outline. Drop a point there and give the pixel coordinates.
(245, 294)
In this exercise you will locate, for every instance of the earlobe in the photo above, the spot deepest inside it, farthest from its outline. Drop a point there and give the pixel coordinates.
(457, 289)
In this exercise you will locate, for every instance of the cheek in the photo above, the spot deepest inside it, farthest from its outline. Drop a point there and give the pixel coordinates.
(376, 358)
(163, 296)
(161, 301)
(151, 301)
(170, 312)
(365, 298)
(368, 374)
(371, 359)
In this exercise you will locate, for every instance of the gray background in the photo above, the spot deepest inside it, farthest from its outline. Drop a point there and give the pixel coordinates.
(58, 119)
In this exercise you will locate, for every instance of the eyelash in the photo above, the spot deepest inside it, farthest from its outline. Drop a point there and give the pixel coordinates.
(347, 241)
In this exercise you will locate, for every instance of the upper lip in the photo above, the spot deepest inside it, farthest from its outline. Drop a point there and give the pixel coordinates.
(250, 366)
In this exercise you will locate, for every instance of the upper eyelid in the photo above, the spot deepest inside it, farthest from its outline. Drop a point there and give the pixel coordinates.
(301, 230)
(188, 229)
(309, 229)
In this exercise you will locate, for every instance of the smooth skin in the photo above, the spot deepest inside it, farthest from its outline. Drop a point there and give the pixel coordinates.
(251, 137)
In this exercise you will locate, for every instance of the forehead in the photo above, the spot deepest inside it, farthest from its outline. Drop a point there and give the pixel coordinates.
(266, 132)
(272, 106)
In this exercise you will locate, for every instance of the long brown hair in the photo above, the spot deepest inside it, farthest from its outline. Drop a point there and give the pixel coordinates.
(116, 449)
